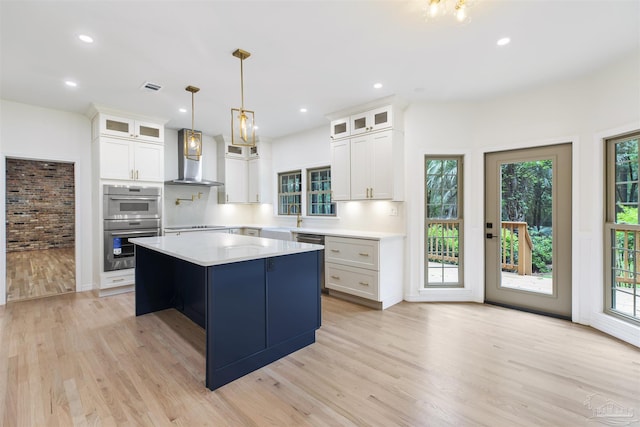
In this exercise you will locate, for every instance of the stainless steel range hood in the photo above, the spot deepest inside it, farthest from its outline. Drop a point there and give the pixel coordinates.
(189, 169)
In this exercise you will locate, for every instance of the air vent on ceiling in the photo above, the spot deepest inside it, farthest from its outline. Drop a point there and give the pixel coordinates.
(151, 86)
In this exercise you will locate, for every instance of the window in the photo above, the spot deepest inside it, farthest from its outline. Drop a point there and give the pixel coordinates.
(290, 193)
(622, 228)
(443, 222)
(319, 193)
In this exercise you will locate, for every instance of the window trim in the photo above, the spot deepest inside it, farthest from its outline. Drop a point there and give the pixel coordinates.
(310, 192)
(295, 193)
(459, 221)
(610, 226)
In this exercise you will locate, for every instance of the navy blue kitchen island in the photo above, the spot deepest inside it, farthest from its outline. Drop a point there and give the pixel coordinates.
(258, 299)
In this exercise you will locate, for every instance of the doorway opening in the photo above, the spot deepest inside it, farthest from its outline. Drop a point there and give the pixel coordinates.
(40, 227)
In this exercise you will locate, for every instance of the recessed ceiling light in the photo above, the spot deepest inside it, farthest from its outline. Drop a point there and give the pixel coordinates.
(85, 38)
(377, 85)
(255, 127)
(503, 41)
(182, 110)
(71, 83)
(303, 110)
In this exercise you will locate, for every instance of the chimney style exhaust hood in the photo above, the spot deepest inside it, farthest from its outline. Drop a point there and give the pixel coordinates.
(189, 167)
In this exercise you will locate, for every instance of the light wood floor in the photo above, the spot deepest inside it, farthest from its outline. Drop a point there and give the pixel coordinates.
(80, 360)
(40, 273)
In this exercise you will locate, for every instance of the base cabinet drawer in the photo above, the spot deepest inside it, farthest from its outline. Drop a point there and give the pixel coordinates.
(354, 281)
(113, 280)
(360, 253)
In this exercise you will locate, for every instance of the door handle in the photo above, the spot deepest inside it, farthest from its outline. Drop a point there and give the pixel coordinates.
(491, 236)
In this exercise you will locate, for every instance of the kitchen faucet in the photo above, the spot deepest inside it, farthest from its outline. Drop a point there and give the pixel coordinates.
(298, 220)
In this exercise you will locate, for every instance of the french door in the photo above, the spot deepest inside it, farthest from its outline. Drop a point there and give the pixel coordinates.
(528, 229)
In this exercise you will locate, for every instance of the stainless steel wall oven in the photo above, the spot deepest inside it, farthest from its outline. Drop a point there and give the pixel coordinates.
(128, 212)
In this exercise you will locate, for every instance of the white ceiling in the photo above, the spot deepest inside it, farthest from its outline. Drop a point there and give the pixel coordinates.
(322, 55)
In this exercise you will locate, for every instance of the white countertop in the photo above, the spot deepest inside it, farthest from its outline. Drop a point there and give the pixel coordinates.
(208, 249)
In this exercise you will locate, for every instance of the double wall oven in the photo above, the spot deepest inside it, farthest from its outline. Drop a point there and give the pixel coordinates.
(128, 212)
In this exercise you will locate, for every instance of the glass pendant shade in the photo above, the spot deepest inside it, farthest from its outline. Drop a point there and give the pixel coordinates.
(243, 130)
(193, 145)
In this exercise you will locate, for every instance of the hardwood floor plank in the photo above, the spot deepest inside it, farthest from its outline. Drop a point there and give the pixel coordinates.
(76, 359)
(40, 273)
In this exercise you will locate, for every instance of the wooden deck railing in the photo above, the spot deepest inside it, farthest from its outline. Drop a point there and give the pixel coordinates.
(516, 251)
(627, 255)
(516, 245)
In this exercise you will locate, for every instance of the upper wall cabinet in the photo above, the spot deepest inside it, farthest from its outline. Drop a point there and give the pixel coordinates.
(340, 128)
(371, 121)
(121, 127)
(367, 155)
(368, 121)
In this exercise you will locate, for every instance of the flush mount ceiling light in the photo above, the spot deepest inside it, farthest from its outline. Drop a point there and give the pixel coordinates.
(243, 129)
(71, 83)
(377, 85)
(192, 139)
(503, 41)
(458, 8)
(85, 38)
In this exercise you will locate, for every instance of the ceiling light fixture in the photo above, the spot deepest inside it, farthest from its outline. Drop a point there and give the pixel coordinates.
(85, 38)
(303, 110)
(377, 85)
(243, 130)
(71, 83)
(192, 139)
(182, 110)
(503, 41)
(458, 8)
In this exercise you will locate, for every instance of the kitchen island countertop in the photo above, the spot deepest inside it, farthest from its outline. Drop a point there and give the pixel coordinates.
(207, 249)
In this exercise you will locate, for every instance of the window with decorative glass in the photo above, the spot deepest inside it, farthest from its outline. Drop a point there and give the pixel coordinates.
(622, 228)
(319, 193)
(443, 222)
(290, 193)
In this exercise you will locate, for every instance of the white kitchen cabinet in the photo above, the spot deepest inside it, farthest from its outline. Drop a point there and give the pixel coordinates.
(235, 181)
(340, 128)
(368, 269)
(260, 180)
(122, 127)
(371, 165)
(245, 171)
(131, 160)
(341, 170)
(372, 120)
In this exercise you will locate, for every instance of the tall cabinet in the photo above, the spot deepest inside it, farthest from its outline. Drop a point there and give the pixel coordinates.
(367, 150)
(245, 171)
(126, 150)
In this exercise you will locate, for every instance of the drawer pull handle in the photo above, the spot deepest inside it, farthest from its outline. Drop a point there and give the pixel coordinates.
(117, 280)
(363, 254)
(335, 277)
(335, 250)
(364, 283)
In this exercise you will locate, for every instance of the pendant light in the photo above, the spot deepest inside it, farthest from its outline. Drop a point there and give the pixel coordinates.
(243, 130)
(192, 139)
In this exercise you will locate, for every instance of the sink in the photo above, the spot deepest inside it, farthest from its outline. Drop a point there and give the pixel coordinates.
(276, 233)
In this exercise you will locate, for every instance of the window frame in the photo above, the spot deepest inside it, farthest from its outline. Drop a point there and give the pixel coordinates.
(610, 228)
(458, 221)
(289, 211)
(327, 193)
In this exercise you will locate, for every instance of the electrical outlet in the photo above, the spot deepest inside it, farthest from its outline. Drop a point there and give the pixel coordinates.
(393, 211)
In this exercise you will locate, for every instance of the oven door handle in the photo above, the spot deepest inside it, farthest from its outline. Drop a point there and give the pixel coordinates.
(133, 198)
(129, 233)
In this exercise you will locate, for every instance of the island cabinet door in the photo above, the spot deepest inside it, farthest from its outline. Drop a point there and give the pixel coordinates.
(293, 296)
(236, 321)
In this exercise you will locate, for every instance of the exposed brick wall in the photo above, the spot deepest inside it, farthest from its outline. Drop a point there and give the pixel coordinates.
(40, 205)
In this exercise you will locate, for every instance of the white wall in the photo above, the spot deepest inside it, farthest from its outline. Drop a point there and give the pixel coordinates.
(582, 111)
(310, 149)
(43, 134)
